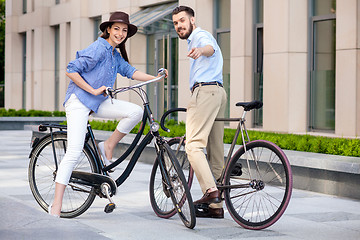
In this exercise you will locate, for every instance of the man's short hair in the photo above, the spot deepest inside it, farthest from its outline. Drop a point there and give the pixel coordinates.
(186, 9)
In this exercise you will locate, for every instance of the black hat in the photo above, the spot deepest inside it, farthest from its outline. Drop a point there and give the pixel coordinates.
(120, 17)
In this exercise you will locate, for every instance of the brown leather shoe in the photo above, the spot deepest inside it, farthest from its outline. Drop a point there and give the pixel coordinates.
(212, 197)
(209, 213)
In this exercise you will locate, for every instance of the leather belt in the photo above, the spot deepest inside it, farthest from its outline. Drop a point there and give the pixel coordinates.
(205, 84)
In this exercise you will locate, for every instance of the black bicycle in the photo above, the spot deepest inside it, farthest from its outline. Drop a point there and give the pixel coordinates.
(256, 182)
(90, 177)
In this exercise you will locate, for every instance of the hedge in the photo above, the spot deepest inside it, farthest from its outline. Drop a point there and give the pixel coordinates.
(29, 113)
(304, 143)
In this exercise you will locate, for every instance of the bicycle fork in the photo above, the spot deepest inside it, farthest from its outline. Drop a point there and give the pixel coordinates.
(166, 181)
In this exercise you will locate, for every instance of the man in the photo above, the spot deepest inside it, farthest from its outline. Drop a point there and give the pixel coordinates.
(208, 101)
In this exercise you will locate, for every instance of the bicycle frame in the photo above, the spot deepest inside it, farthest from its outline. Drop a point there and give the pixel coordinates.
(90, 177)
(147, 116)
(256, 181)
(241, 129)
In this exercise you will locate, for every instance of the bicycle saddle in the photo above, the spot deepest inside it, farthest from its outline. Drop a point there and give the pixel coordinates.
(256, 104)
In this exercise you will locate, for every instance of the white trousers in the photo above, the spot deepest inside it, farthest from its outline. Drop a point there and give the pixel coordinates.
(77, 115)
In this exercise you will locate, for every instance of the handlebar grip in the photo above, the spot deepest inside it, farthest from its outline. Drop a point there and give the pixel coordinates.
(161, 71)
(162, 121)
(109, 91)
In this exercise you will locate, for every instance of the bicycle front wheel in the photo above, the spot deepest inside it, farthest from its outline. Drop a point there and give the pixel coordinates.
(42, 173)
(258, 185)
(176, 186)
(159, 196)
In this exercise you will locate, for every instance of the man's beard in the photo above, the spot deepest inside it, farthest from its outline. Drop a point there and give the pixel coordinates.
(187, 34)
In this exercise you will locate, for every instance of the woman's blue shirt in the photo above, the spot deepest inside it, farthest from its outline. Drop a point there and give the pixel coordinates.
(98, 65)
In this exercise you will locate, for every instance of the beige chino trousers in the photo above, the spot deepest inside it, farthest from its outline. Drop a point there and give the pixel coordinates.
(206, 104)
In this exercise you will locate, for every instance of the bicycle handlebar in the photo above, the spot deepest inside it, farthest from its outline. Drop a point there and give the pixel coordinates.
(162, 121)
(248, 106)
(112, 92)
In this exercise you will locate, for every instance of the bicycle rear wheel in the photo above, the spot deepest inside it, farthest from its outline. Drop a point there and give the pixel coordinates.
(159, 196)
(42, 173)
(176, 186)
(258, 185)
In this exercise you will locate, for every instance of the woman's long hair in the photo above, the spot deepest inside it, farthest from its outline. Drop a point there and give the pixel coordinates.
(121, 46)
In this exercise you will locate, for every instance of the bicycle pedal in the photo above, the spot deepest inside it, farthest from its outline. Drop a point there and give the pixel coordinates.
(201, 206)
(201, 210)
(237, 170)
(109, 207)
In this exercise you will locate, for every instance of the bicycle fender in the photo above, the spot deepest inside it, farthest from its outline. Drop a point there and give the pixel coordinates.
(35, 141)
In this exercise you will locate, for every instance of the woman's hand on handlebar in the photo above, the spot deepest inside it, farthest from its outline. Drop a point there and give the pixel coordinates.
(161, 72)
(80, 82)
(100, 90)
(140, 76)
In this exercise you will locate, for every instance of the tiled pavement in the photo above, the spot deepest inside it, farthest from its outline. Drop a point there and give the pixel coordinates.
(309, 215)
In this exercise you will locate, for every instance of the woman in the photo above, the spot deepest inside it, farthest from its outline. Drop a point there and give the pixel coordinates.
(94, 69)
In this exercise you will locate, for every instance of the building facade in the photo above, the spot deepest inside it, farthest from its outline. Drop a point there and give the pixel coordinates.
(300, 57)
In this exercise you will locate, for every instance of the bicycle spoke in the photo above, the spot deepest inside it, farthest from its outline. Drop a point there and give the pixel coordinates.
(179, 191)
(161, 202)
(42, 176)
(266, 170)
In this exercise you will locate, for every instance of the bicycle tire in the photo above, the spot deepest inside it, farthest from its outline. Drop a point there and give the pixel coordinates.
(77, 198)
(261, 205)
(161, 201)
(178, 188)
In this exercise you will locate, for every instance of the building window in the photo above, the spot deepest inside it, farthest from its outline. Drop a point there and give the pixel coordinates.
(24, 70)
(222, 35)
(24, 6)
(97, 31)
(56, 67)
(161, 51)
(258, 58)
(322, 65)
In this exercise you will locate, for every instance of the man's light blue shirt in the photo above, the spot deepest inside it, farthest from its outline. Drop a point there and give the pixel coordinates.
(205, 69)
(98, 65)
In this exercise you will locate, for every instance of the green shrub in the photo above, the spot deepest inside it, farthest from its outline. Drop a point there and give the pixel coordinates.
(305, 143)
(30, 113)
(59, 114)
(176, 129)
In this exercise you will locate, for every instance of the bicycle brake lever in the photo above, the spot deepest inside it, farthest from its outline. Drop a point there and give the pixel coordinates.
(108, 92)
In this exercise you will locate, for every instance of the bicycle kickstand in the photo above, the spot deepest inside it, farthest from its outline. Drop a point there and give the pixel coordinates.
(105, 189)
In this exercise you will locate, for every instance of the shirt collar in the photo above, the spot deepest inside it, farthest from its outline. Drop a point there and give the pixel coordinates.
(106, 43)
(197, 29)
